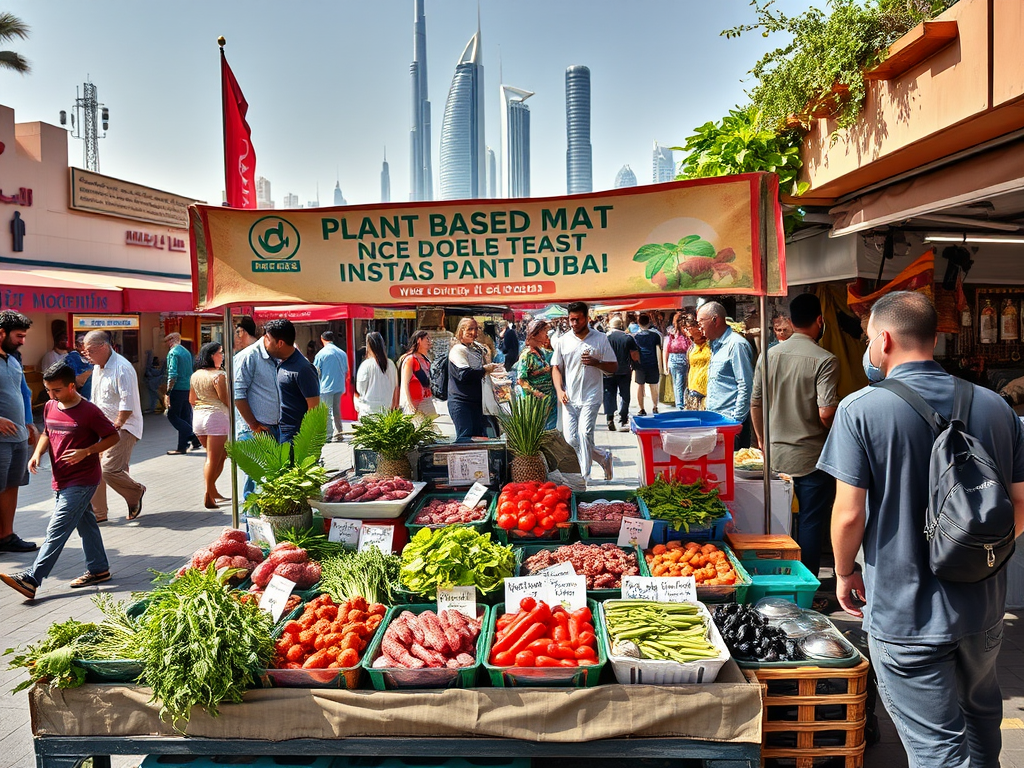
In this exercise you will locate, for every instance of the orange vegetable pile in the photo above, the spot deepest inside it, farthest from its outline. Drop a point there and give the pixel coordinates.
(709, 565)
(328, 635)
(541, 636)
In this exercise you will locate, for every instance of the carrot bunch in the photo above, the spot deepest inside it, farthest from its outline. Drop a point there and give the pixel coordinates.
(328, 635)
(708, 565)
(541, 636)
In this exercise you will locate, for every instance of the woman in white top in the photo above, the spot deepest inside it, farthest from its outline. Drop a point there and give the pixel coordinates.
(376, 379)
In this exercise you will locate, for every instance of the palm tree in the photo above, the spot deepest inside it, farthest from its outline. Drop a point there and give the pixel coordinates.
(11, 27)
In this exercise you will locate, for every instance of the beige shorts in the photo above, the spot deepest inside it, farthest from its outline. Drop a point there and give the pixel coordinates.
(210, 423)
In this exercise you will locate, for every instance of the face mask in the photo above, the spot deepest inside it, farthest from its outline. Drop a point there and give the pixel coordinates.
(873, 372)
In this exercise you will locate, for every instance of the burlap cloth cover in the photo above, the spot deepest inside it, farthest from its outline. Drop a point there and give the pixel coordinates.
(727, 711)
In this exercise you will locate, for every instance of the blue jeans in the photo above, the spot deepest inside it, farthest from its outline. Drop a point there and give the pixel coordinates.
(617, 384)
(468, 419)
(248, 484)
(815, 495)
(678, 368)
(180, 416)
(72, 512)
(944, 698)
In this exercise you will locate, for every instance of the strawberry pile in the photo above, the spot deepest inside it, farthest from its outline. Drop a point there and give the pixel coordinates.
(448, 511)
(230, 550)
(429, 640)
(368, 490)
(290, 562)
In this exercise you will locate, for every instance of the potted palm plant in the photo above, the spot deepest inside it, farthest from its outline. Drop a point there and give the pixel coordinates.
(286, 475)
(392, 435)
(523, 426)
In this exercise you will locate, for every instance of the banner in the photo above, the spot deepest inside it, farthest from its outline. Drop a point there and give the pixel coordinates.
(703, 236)
(239, 156)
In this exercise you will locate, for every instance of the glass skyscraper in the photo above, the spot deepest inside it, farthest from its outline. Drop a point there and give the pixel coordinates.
(385, 180)
(463, 148)
(579, 169)
(492, 174)
(664, 164)
(625, 177)
(421, 172)
(515, 142)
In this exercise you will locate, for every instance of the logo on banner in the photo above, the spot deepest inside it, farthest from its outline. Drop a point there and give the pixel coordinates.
(275, 241)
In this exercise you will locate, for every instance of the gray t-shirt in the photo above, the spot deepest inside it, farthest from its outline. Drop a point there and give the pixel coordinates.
(879, 443)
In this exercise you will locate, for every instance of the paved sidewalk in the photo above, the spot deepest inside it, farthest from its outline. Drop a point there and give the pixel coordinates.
(174, 523)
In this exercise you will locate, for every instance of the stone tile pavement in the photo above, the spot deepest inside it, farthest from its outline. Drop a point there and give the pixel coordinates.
(174, 523)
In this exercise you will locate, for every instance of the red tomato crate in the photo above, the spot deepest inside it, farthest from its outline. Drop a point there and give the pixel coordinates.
(716, 467)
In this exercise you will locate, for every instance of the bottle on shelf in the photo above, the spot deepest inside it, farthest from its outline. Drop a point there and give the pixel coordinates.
(1009, 329)
(988, 323)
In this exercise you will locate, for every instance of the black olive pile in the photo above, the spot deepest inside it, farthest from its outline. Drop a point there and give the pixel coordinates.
(749, 636)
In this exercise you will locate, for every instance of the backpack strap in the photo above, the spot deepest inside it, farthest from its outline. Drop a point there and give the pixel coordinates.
(918, 403)
(963, 396)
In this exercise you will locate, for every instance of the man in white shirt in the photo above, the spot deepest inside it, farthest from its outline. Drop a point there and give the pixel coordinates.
(580, 360)
(58, 353)
(115, 390)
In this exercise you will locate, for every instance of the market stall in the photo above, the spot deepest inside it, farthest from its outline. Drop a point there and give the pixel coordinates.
(621, 659)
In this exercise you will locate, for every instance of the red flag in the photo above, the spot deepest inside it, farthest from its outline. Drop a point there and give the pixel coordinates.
(239, 155)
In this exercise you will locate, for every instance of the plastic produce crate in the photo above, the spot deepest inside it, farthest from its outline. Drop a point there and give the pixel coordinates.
(595, 530)
(394, 678)
(480, 525)
(545, 677)
(788, 579)
(716, 467)
(717, 593)
(812, 714)
(519, 537)
(239, 761)
(630, 671)
(594, 594)
(663, 532)
(405, 596)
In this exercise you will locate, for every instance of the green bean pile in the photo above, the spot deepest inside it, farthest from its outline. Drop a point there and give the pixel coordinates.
(664, 631)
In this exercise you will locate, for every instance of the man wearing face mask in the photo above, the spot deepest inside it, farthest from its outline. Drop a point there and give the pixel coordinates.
(803, 381)
(934, 642)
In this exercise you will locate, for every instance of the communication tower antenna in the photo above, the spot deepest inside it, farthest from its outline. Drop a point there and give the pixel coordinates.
(87, 115)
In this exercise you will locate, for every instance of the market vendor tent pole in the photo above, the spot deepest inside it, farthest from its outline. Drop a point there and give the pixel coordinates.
(766, 472)
(229, 367)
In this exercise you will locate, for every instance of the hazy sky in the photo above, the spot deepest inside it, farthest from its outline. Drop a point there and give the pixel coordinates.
(328, 82)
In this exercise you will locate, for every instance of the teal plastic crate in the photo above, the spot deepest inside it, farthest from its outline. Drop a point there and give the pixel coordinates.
(596, 531)
(433, 762)
(239, 761)
(719, 593)
(544, 677)
(527, 550)
(396, 678)
(519, 537)
(787, 579)
(481, 525)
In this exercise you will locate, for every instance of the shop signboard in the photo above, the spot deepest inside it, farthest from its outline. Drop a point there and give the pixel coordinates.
(707, 236)
(96, 193)
(104, 323)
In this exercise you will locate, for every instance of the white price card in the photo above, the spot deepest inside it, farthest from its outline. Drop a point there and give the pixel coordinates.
(475, 494)
(275, 596)
(556, 570)
(379, 536)
(467, 467)
(570, 591)
(518, 587)
(345, 531)
(461, 599)
(261, 530)
(635, 532)
(640, 588)
(677, 589)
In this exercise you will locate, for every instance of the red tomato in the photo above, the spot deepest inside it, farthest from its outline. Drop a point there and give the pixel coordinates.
(537, 497)
(547, 522)
(560, 514)
(524, 506)
(506, 507)
(550, 485)
(564, 493)
(507, 521)
(538, 531)
(527, 521)
(550, 500)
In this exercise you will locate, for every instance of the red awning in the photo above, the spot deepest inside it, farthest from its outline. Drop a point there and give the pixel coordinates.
(141, 300)
(74, 290)
(312, 313)
(26, 291)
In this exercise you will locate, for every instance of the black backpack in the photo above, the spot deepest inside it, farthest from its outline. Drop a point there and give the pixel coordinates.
(970, 521)
(439, 377)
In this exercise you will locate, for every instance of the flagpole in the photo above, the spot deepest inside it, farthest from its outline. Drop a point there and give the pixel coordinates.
(221, 41)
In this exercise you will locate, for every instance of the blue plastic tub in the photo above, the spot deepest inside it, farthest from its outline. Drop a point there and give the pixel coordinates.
(663, 532)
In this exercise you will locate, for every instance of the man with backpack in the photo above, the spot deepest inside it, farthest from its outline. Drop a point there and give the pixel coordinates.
(934, 640)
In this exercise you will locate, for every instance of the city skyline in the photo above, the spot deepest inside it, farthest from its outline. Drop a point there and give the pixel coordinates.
(463, 143)
(166, 129)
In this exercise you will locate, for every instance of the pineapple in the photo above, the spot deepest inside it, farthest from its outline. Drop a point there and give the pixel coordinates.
(524, 432)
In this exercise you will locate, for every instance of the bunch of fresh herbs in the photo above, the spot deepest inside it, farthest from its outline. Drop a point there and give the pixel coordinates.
(682, 504)
(370, 574)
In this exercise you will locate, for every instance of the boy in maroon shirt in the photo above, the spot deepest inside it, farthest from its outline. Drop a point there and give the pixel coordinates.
(76, 431)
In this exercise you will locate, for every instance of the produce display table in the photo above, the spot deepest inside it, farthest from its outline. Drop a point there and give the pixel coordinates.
(719, 723)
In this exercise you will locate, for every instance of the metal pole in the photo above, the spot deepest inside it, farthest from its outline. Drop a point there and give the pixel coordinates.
(229, 367)
(766, 212)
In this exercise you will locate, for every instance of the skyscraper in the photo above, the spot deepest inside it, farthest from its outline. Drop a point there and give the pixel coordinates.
(463, 149)
(263, 198)
(291, 201)
(515, 142)
(625, 177)
(421, 172)
(385, 180)
(492, 174)
(339, 199)
(664, 164)
(579, 173)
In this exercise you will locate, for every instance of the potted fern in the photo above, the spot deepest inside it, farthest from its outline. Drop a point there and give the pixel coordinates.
(392, 435)
(523, 426)
(286, 475)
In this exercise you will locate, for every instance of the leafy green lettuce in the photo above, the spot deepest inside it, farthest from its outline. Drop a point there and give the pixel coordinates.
(454, 556)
